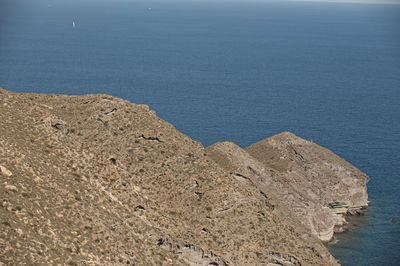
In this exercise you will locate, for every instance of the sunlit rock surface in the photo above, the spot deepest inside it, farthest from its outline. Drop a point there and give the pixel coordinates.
(98, 180)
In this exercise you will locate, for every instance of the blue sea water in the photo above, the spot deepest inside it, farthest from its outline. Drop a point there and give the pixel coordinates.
(234, 70)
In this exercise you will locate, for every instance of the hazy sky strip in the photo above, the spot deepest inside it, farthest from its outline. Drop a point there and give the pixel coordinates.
(353, 1)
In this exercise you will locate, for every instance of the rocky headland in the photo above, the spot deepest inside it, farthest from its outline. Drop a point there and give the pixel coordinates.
(313, 184)
(96, 179)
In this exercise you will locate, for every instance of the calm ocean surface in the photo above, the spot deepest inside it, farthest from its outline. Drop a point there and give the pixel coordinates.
(238, 71)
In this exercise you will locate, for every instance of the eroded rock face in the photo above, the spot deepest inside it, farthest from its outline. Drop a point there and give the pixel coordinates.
(337, 177)
(100, 180)
(315, 185)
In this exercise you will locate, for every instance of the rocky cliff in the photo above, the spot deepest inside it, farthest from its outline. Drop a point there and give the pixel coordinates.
(318, 187)
(98, 180)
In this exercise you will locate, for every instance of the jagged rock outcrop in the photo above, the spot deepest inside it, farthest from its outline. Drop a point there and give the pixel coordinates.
(315, 185)
(99, 180)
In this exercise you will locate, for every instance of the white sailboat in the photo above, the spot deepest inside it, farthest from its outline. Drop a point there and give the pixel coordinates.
(73, 24)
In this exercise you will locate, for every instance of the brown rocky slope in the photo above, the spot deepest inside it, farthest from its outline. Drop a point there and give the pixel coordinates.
(98, 180)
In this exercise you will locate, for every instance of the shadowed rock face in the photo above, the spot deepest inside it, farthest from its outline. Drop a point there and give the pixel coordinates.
(96, 179)
(315, 185)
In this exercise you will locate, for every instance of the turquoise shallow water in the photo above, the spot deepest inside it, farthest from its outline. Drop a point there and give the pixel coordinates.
(234, 71)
